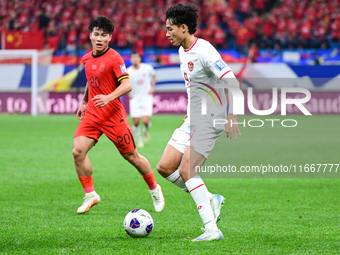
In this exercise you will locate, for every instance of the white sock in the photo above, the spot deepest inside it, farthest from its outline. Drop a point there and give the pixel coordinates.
(200, 194)
(136, 131)
(146, 127)
(176, 179)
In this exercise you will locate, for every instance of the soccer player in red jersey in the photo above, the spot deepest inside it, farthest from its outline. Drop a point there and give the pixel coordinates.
(101, 111)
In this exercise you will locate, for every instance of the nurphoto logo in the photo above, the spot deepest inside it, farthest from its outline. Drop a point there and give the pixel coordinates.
(237, 100)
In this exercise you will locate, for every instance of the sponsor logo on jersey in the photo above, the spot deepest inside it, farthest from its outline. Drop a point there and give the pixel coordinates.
(123, 68)
(94, 67)
(102, 67)
(191, 66)
(220, 64)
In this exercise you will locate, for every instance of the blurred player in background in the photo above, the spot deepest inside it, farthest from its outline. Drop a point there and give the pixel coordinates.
(101, 111)
(190, 145)
(143, 80)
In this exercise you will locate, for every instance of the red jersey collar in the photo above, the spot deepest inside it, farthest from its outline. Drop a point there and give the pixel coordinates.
(191, 45)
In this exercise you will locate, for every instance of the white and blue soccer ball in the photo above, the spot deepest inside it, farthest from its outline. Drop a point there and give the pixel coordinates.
(138, 223)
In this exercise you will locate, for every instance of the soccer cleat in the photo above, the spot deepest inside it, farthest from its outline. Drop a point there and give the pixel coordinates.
(209, 235)
(216, 202)
(140, 144)
(90, 199)
(158, 198)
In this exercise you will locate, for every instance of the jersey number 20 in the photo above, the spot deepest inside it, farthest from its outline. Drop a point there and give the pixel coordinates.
(94, 82)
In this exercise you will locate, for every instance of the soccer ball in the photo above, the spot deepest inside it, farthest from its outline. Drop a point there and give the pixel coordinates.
(138, 223)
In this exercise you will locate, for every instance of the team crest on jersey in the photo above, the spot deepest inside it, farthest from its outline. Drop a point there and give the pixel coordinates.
(102, 67)
(123, 68)
(191, 66)
(220, 64)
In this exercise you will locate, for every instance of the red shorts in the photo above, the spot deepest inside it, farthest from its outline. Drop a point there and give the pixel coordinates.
(121, 136)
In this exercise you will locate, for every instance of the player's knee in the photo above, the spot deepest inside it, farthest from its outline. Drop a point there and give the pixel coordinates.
(162, 170)
(77, 154)
(136, 123)
(131, 157)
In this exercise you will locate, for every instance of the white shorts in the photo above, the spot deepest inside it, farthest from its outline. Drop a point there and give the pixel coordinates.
(141, 107)
(202, 139)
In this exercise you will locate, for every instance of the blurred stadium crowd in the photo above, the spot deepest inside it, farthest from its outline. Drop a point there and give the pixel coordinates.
(140, 24)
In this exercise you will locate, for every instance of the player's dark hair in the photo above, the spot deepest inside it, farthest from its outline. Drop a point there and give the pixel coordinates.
(179, 14)
(103, 23)
(136, 53)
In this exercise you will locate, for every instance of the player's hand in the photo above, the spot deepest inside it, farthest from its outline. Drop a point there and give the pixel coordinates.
(186, 116)
(151, 91)
(232, 126)
(81, 111)
(101, 100)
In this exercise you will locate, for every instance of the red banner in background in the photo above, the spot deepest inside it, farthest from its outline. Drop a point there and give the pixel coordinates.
(23, 40)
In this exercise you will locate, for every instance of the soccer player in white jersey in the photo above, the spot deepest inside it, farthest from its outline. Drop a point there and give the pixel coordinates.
(202, 68)
(143, 79)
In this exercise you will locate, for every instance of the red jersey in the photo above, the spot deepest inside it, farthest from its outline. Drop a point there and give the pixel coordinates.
(104, 73)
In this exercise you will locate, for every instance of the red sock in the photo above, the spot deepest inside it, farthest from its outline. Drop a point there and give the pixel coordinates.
(150, 181)
(87, 183)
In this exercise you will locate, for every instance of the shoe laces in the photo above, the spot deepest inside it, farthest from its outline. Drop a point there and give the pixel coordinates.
(206, 230)
(87, 198)
(155, 194)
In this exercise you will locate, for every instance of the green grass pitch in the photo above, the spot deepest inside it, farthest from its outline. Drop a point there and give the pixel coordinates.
(40, 193)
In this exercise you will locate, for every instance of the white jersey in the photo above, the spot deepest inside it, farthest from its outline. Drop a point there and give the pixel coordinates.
(203, 68)
(141, 80)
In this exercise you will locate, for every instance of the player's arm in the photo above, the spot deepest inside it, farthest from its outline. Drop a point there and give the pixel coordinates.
(124, 88)
(233, 87)
(83, 104)
(153, 84)
(130, 94)
(212, 60)
(231, 126)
